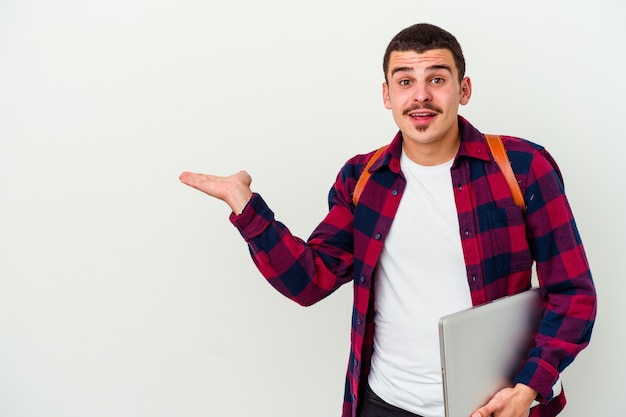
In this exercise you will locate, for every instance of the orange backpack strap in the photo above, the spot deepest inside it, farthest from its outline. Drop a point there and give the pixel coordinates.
(365, 175)
(502, 159)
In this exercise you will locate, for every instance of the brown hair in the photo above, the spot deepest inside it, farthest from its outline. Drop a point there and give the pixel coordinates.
(424, 37)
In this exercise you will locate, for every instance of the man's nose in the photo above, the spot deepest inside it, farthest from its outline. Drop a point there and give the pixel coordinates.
(422, 93)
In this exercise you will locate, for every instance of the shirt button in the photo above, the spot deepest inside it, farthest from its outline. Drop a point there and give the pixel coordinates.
(394, 193)
(467, 233)
(359, 322)
(377, 236)
(473, 278)
(362, 279)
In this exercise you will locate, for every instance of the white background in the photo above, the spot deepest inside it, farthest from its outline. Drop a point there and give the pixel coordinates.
(124, 293)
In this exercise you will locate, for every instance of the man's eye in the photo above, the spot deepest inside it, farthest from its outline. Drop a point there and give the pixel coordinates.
(437, 80)
(405, 82)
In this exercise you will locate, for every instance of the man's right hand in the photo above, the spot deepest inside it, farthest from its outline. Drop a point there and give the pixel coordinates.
(234, 189)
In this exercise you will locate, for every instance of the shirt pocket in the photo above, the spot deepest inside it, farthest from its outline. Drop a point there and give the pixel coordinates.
(508, 243)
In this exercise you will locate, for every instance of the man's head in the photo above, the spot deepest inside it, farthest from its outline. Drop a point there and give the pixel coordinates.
(424, 85)
(425, 37)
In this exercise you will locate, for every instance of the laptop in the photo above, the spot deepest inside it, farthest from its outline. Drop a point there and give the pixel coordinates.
(483, 348)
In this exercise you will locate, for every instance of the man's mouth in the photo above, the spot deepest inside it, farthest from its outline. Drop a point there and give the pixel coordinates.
(421, 114)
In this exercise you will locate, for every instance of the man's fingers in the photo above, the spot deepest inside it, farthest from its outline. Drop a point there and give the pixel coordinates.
(194, 179)
(481, 412)
(186, 177)
(488, 409)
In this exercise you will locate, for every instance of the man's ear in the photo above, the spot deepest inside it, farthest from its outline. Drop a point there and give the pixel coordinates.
(386, 98)
(466, 90)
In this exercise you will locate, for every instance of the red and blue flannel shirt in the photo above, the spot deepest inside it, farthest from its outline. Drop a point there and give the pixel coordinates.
(500, 243)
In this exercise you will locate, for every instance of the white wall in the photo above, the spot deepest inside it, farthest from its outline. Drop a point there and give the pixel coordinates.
(124, 293)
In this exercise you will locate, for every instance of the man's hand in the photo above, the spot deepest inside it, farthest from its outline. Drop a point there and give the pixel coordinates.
(509, 402)
(234, 189)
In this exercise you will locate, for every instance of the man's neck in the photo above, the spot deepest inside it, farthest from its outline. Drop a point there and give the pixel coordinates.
(430, 154)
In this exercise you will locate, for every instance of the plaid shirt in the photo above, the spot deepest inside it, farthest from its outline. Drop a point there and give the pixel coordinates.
(499, 242)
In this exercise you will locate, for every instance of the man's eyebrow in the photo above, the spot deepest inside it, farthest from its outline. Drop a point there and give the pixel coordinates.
(440, 66)
(401, 69)
(432, 68)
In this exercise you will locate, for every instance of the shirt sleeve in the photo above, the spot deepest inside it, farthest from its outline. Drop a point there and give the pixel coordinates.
(564, 277)
(304, 271)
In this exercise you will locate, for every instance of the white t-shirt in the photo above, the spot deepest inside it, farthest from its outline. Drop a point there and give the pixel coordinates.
(420, 277)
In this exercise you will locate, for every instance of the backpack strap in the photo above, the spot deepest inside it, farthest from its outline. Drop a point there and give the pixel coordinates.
(502, 159)
(365, 175)
(497, 150)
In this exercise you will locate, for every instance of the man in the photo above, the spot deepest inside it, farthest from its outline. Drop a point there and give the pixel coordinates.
(435, 230)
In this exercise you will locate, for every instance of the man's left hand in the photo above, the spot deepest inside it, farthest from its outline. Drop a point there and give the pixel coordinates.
(509, 402)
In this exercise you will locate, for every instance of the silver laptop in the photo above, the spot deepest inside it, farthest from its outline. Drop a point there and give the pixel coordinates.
(483, 347)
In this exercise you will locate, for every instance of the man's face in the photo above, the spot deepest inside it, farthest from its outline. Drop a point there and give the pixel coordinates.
(423, 93)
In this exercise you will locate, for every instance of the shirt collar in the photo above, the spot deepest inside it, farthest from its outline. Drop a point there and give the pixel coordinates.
(473, 145)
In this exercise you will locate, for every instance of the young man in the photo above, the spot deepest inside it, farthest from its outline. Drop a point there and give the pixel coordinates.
(435, 230)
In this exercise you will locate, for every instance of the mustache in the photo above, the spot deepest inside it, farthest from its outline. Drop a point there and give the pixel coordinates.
(426, 106)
